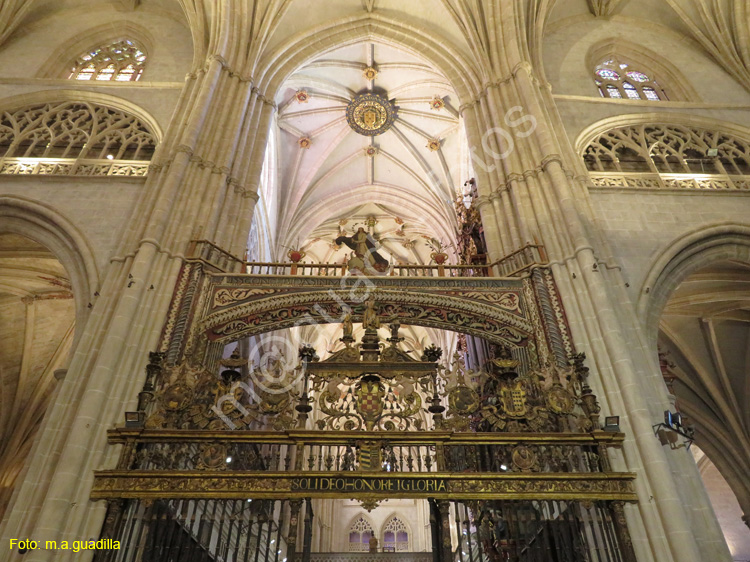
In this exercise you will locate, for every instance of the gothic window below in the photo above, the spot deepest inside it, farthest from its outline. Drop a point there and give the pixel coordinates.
(360, 533)
(121, 61)
(616, 79)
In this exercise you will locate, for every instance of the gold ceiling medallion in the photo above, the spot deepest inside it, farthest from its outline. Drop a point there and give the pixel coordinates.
(370, 73)
(437, 103)
(370, 114)
(371, 151)
(433, 144)
(302, 96)
(304, 142)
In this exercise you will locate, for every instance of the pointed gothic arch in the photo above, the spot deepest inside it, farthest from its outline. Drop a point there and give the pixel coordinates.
(684, 255)
(58, 63)
(670, 80)
(70, 95)
(702, 399)
(279, 64)
(396, 535)
(45, 225)
(359, 531)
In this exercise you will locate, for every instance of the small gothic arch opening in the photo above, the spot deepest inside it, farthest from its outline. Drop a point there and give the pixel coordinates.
(618, 79)
(360, 531)
(395, 535)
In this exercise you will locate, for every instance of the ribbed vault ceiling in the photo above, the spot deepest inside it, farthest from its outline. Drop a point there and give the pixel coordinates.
(707, 325)
(335, 179)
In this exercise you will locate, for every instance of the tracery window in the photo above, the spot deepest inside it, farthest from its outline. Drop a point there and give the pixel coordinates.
(615, 78)
(395, 536)
(359, 535)
(121, 61)
(74, 138)
(671, 156)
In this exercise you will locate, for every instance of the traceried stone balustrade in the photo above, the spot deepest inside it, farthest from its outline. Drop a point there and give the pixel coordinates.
(73, 167)
(668, 157)
(514, 264)
(670, 182)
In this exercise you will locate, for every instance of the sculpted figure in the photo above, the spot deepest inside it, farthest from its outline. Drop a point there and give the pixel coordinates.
(347, 325)
(370, 318)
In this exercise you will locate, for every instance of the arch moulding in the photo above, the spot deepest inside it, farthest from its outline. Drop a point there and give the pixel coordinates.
(37, 221)
(643, 59)
(495, 315)
(276, 66)
(56, 66)
(52, 96)
(686, 254)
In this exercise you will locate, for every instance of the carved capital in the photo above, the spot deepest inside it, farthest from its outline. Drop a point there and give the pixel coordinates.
(481, 201)
(467, 105)
(525, 66)
(550, 158)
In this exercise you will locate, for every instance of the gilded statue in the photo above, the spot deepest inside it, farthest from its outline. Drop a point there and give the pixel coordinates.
(347, 325)
(370, 318)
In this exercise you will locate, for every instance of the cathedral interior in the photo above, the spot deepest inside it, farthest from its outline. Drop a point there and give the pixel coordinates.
(363, 280)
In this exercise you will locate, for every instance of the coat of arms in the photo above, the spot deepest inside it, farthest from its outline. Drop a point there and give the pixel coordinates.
(369, 394)
(513, 399)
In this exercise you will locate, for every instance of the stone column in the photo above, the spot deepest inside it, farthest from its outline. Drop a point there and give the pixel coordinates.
(221, 120)
(552, 207)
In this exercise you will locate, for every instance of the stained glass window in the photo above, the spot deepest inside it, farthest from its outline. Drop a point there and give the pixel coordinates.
(638, 76)
(613, 92)
(122, 61)
(630, 90)
(608, 74)
(616, 79)
(650, 93)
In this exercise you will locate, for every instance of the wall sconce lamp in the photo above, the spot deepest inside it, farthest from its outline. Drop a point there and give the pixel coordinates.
(671, 427)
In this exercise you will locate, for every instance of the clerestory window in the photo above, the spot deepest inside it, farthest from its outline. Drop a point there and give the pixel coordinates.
(617, 79)
(121, 61)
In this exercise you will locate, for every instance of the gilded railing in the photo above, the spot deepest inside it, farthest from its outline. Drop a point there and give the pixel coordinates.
(372, 557)
(299, 464)
(513, 264)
